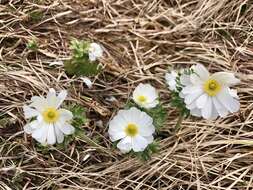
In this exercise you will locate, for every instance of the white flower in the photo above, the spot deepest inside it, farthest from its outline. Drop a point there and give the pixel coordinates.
(95, 51)
(171, 80)
(209, 95)
(145, 96)
(51, 122)
(134, 128)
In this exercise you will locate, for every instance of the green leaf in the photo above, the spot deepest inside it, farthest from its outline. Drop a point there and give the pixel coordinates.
(81, 67)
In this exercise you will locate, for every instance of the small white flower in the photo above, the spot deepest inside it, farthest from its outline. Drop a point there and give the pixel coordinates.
(145, 96)
(51, 122)
(210, 95)
(135, 129)
(95, 51)
(171, 80)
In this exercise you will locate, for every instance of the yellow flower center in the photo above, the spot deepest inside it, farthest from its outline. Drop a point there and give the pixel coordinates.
(212, 87)
(142, 99)
(50, 115)
(131, 130)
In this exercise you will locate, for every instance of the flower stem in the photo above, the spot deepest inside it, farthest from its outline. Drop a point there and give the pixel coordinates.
(179, 122)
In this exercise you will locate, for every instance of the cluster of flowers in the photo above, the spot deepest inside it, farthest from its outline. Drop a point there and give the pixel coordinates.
(133, 129)
(205, 95)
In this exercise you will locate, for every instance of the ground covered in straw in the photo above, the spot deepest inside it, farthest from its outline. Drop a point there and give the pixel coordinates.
(142, 40)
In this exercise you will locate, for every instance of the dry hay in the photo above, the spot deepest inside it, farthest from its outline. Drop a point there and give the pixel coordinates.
(142, 39)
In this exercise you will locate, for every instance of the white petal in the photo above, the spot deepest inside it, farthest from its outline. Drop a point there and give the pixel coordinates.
(65, 115)
(201, 101)
(118, 123)
(185, 80)
(66, 128)
(206, 111)
(232, 104)
(139, 143)
(40, 134)
(59, 134)
(51, 136)
(196, 112)
(125, 145)
(233, 93)
(114, 136)
(150, 139)
(152, 104)
(30, 127)
(51, 98)
(222, 111)
(225, 78)
(192, 97)
(30, 112)
(201, 71)
(92, 57)
(61, 97)
(39, 103)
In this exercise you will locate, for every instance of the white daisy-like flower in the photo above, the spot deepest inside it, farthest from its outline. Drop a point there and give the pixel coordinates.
(171, 80)
(95, 51)
(145, 96)
(208, 95)
(51, 122)
(133, 128)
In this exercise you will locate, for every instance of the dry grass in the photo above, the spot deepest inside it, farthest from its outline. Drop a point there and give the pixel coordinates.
(142, 39)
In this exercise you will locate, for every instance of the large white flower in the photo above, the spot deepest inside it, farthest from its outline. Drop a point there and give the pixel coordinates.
(95, 51)
(145, 96)
(171, 80)
(135, 129)
(50, 122)
(209, 95)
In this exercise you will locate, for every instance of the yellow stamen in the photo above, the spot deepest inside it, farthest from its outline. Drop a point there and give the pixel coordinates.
(131, 130)
(50, 115)
(212, 87)
(142, 99)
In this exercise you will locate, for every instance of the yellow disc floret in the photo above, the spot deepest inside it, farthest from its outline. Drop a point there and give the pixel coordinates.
(131, 130)
(50, 115)
(142, 99)
(212, 87)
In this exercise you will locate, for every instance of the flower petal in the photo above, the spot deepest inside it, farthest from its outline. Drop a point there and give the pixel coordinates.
(232, 104)
(206, 111)
(32, 126)
(51, 136)
(65, 115)
(59, 135)
(30, 112)
(40, 134)
(66, 128)
(139, 143)
(125, 145)
(225, 78)
(201, 101)
(114, 136)
(222, 111)
(61, 97)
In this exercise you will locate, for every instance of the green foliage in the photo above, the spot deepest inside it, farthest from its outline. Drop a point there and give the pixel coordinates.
(159, 115)
(79, 49)
(147, 153)
(79, 115)
(178, 102)
(32, 45)
(36, 16)
(79, 64)
(82, 67)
